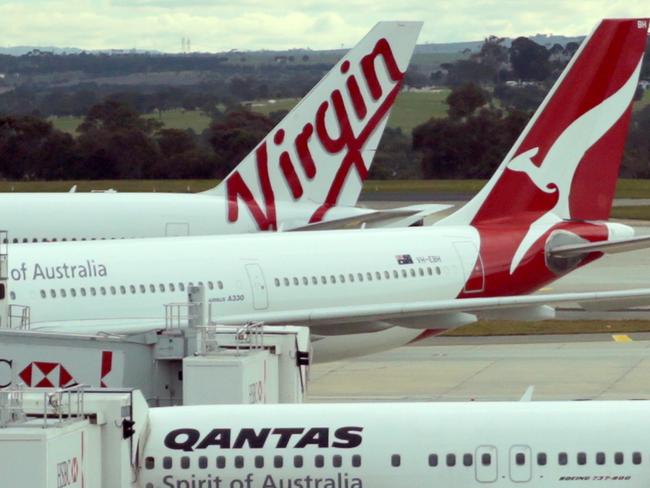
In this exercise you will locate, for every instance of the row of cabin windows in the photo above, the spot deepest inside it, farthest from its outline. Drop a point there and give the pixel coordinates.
(581, 458)
(122, 289)
(25, 240)
(359, 277)
(258, 461)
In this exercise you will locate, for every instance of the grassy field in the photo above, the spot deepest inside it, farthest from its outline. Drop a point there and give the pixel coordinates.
(411, 109)
(489, 328)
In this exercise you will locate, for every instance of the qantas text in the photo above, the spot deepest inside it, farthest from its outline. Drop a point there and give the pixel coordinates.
(280, 437)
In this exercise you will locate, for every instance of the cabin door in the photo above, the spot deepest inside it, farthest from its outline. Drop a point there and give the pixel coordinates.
(472, 266)
(486, 464)
(521, 466)
(258, 286)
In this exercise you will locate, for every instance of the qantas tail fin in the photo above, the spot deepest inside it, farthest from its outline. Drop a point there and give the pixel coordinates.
(320, 153)
(565, 163)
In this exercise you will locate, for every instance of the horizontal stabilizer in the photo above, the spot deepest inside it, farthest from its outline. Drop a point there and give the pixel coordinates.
(609, 247)
(397, 217)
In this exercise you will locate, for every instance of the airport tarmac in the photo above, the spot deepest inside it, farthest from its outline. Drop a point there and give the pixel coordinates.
(459, 369)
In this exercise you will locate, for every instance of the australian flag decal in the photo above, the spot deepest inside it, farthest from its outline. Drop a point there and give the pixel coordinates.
(404, 259)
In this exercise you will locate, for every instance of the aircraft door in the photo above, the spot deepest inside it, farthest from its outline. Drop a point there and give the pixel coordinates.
(258, 286)
(472, 266)
(520, 464)
(486, 464)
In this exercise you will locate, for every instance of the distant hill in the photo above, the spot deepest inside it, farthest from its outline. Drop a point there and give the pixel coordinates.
(546, 40)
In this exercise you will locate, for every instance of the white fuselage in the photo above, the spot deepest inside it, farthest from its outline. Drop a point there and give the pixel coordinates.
(38, 217)
(118, 286)
(537, 444)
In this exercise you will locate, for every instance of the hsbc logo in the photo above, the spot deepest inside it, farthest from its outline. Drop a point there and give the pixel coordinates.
(41, 374)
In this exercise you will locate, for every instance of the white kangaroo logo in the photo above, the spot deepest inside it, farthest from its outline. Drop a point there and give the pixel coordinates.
(556, 172)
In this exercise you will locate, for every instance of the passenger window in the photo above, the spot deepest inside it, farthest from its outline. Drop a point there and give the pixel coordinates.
(319, 461)
(142, 289)
(305, 280)
(581, 458)
(333, 279)
(181, 287)
(377, 275)
(468, 459)
(12, 295)
(122, 290)
(43, 294)
(221, 462)
(412, 272)
(161, 287)
(618, 458)
(437, 270)
(277, 282)
(337, 461)
(600, 458)
(53, 293)
(149, 463)
(404, 273)
(562, 459)
(73, 292)
(395, 274)
(433, 460)
(429, 271)
(451, 460)
(259, 462)
(239, 461)
(541, 458)
(172, 288)
(295, 281)
(636, 458)
(369, 276)
(277, 461)
(102, 290)
(167, 462)
(93, 292)
(395, 459)
(152, 288)
(220, 285)
(323, 280)
(210, 286)
(286, 282)
(83, 292)
(421, 271)
(185, 462)
(520, 459)
(486, 459)
(132, 289)
(387, 275)
(200, 283)
(351, 278)
(356, 460)
(63, 294)
(360, 276)
(314, 280)
(297, 461)
(341, 278)
(112, 290)
(203, 462)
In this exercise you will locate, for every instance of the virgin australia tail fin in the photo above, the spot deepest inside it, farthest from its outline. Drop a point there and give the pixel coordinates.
(320, 153)
(565, 163)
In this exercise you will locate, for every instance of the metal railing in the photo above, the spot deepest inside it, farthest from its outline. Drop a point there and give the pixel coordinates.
(178, 315)
(215, 338)
(20, 317)
(62, 404)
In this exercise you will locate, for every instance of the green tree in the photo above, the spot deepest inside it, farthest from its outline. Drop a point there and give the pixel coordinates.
(464, 100)
(529, 60)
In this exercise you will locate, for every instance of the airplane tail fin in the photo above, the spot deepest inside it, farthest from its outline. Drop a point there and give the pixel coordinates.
(566, 161)
(320, 153)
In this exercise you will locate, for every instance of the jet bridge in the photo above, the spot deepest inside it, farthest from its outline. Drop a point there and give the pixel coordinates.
(182, 362)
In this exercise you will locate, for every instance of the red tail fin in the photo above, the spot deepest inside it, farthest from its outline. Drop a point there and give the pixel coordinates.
(566, 161)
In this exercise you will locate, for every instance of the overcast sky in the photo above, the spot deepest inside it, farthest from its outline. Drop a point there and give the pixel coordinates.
(221, 25)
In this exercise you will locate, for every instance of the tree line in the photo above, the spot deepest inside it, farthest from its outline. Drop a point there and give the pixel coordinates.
(493, 93)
